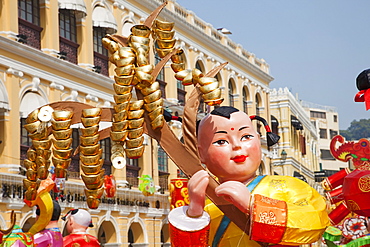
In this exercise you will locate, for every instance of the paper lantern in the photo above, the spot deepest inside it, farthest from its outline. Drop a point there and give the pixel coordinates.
(356, 192)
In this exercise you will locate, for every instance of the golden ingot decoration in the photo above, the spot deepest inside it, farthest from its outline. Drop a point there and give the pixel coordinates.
(90, 121)
(164, 25)
(90, 131)
(124, 80)
(89, 140)
(91, 112)
(134, 143)
(135, 133)
(43, 144)
(110, 45)
(154, 114)
(43, 134)
(212, 95)
(121, 107)
(135, 123)
(62, 153)
(152, 88)
(31, 154)
(90, 150)
(93, 179)
(153, 96)
(125, 61)
(134, 153)
(119, 89)
(32, 117)
(119, 99)
(163, 35)
(91, 169)
(42, 172)
(178, 57)
(154, 105)
(141, 30)
(32, 127)
(94, 193)
(28, 164)
(138, 39)
(135, 114)
(136, 105)
(117, 147)
(61, 125)
(209, 87)
(158, 122)
(163, 52)
(120, 116)
(177, 67)
(146, 68)
(62, 144)
(119, 126)
(62, 134)
(62, 163)
(92, 202)
(59, 115)
(119, 136)
(90, 159)
(166, 44)
(125, 70)
(125, 52)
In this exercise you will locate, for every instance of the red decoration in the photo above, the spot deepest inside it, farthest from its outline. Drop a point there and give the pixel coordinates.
(356, 192)
(363, 96)
(339, 213)
(179, 192)
(110, 185)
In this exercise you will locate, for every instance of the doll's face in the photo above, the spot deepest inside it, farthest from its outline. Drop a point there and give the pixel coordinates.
(230, 148)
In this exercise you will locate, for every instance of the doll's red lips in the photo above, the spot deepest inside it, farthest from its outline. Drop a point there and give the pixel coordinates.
(239, 159)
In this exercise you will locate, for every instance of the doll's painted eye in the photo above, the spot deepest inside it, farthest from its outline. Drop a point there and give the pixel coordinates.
(220, 142)
(246, 137)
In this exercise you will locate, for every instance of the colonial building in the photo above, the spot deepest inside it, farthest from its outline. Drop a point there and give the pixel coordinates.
(52, 51)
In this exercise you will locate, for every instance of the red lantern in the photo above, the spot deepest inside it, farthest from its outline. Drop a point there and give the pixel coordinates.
(356, 192)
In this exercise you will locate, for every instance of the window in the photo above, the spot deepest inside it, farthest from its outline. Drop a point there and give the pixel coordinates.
(74, 167)
(161, 73)
(67, 25)
(29, 10)
(132, 172)
(317, 114)
(335, 118)
(326, 155)
(105, 145)
(100, 53)
(162, 160)
(181, 93)
(245, 101)
(257, 102)
(333, 133)
(231, 93)
(323, 134)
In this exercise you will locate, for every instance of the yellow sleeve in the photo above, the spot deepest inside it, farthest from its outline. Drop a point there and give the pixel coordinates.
(306, 216)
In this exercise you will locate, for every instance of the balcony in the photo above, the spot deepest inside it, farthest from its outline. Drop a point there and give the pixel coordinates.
(29, 34)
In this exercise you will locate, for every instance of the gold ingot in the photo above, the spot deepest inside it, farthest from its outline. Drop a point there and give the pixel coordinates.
(91, 112)
(135, 143)
(207, 80)
(162, 34)
(28, 184)
(110, 45)
(31, 174)
(31, 154)
(124, 80)
(214, 102)
(142, 59)
(90, 150)
(119, 89)
(178, 57)
(60, 115)
(62, 144)
(60, 172)
(33, 116)
(32, 127)
(215, 94)
(114, 57)
(177, 67)
(30, 194)
(154, 105)
(89, 140)
(125, 61)
(125, 70)
(90, 131)
(92, 203)
(138, 39)
(140, 30)
(166, 44)
(62, 134)
(122, 98)
(42, 172)
(154, 114)
(118, 136)
(90, 159)
(121, 107)
(119, 126)
(136, 105)
(188, 80)
(164, 25)
(135, 133)
(139, 48)
(42, 135)
(61, 125)
(146, 68)
(135, 114)
(62, 153)
(93, 179)
(152, 88)
(28, 164)
(120, 116)
(117, 148)
(142, 85)
(135, 123)
(94, 193)
(62, 163)
(134, 153)
(181, 75)
(209, 87)
(158, 122)
(197, 74)
(43, 144)
(144, 77)
(90, 121)
(92, 169)
(153, 97)
(125, 52)
(163, 52)
(45, 153)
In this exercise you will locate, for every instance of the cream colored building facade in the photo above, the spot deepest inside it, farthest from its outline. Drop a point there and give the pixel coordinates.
(51, 51)
(299, 138)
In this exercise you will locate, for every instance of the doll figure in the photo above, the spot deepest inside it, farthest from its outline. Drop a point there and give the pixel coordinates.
(282, 209)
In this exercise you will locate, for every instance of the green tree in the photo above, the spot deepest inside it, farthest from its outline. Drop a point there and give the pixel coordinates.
(357, 130)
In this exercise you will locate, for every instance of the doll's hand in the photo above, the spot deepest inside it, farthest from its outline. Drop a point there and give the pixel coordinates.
(236, 193)
(197, 193)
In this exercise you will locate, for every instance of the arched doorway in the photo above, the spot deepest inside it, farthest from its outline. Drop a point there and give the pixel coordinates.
(135, 235)
(107, 233)
(28, 224)
(165, 236)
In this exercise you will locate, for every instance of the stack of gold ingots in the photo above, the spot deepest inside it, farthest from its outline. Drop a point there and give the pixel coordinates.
(37, 162)
(90, 157)
(62, 151)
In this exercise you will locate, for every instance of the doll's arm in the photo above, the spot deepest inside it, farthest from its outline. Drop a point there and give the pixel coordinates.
(197, 192)
(236, 193)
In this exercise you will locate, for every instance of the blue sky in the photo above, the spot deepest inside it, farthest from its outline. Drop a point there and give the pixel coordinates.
(316, 48)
